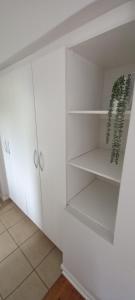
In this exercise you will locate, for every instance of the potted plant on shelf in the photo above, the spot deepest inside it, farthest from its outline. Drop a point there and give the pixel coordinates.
(119, 103)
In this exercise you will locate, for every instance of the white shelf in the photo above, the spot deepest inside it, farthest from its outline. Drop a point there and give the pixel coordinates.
(98, 162)
(96, 206)
(93, 112)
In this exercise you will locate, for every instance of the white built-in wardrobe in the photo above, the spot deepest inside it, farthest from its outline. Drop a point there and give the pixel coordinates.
(53, 118)
(32, 129)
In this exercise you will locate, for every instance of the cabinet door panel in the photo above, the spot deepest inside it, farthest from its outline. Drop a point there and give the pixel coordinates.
(49, 84)
(20, 130)
(6, 131)
(25, 142)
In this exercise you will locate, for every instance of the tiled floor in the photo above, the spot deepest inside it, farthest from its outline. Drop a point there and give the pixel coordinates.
(29, 261)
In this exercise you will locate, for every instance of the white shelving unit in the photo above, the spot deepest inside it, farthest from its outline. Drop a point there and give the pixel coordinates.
(89, 112)
(93, 182)
(97, 161)
(96, 206)
(93, 112)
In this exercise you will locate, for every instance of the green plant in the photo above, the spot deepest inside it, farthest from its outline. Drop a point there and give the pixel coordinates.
(116, 116)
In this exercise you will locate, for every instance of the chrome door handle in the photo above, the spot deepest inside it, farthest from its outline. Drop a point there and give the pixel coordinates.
(41, 161)
(35, 158)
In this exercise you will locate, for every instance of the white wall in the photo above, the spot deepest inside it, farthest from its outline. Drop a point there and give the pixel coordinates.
(27, 26)
(24, 21)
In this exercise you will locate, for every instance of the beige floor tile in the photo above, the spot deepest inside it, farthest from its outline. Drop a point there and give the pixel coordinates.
(31, 289)
(7, 245)
(36, 248)
(23, 230)
(12, 217)
(13, 271)
(49, 269)
(6, 206)
(2, 228)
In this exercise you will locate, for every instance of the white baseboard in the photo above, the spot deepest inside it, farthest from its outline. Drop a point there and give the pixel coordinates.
(76, 284)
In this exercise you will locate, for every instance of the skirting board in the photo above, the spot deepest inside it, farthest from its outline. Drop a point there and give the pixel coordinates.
(76, 284)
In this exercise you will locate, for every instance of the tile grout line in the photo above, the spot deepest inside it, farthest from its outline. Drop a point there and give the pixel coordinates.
(1, 296)
(25, 239)
(19, 285)
(46, 286)
(7, 211)
(40, 264)
(13, 224)
(6, 258)
(11, 251)
(34, 268)
(45, 257)
(3, 226)
(3, 232)
(31, 264)
(22, 218)
(8, 255)
(19, 247)
(3, 213)
(26, 276)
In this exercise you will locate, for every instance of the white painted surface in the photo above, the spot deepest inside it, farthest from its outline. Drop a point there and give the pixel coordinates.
(97, 49)
(97, 205)
(77, 180)
(35, 121)
(76, 284)
(84, 83)
(64, 18)
(6, 131)
(124, 237)
(97, 161)
(23, 22)
(49, 84)
(80, 138)
(19, 130)
(96, 263)
(102, 269)
(93, 112)
(106, 269)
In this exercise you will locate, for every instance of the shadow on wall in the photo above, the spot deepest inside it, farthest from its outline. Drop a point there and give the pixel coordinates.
(4, 194)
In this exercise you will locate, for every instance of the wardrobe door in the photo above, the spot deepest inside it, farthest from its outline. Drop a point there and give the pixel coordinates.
(6, 132)
(49, 85)
(23, 142)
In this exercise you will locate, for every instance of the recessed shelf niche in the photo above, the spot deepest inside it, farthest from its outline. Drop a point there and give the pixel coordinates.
(94, 201)
(90, 77)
